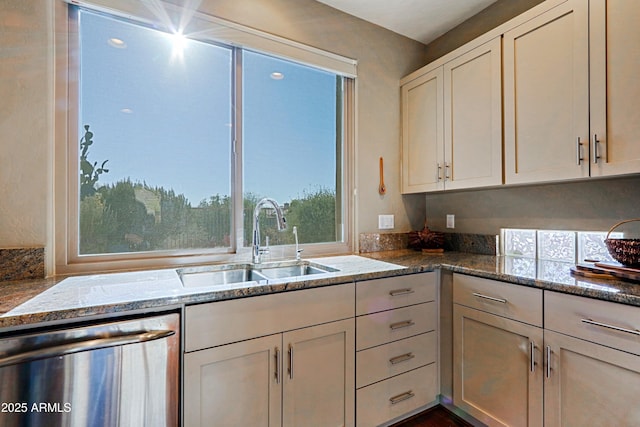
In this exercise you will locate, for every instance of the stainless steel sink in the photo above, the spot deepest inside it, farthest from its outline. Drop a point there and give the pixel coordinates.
(219, 275)
(290, 269)
(229, 274)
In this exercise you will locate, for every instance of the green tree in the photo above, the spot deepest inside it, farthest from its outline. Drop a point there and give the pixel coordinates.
(89, 172)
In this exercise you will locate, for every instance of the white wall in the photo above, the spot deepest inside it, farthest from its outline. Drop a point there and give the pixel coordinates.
(26, 104)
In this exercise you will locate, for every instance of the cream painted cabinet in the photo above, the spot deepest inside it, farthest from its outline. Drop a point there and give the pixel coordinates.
(452, 123)
(546, 96)
(592, 373)
(590, 384)
(397, 347)
(615, 94)
(498, 369)
(422, 133)
(274, 360)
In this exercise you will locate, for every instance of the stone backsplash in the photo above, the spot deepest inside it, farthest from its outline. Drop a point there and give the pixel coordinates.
(458, 242)
(21, 263)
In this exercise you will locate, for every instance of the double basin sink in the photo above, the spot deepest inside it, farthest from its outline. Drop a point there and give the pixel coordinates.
(230, 274)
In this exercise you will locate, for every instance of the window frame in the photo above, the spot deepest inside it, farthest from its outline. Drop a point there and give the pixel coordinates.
(66, 213)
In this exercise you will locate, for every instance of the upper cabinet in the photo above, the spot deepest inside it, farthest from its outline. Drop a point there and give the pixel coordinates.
(546, 96)
(562, 78)
(615, 94)
(452, 123)
(422, 133)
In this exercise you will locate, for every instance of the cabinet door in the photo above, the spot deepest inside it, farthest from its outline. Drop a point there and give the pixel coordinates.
(615, 94)
(234, 385)
(497, 375)
(319, 386)
(422, 137)
(589, 384)
(546, 96)
(473, 118)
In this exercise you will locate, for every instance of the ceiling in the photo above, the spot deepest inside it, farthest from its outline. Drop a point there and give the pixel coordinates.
(421, 20)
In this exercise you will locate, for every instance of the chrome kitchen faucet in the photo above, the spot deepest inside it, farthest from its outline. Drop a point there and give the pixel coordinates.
(281, 222)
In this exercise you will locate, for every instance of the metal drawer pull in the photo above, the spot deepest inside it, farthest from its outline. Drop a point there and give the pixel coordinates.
(277, 358)
(290, 362)
(548, 361)
(532, 355)
(400, 325)
(578, 151)
(500, 300)
(615, 328)
(398, 292)
(401, 358)
(596, 143)
(399, 398)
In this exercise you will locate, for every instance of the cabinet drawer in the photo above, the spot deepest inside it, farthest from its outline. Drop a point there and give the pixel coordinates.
(387, 326)
(504, 299)
(396, 396)
(602, 322)
(218, 323)
(393, 292)
(378, 363)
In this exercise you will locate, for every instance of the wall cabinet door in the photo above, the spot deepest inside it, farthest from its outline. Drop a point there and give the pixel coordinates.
(590, 385)
(234, 385)
(615, 94)
(546, 96)
(319, 384)
(498, 375)
(473, 118)
(422, 133)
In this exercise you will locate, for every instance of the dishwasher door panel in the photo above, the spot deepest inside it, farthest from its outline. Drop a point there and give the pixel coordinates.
(102, 381)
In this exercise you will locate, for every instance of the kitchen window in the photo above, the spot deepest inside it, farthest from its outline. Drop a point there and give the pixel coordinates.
(173, 140)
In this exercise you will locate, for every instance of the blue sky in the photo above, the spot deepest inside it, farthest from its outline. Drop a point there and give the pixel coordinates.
(163, 116)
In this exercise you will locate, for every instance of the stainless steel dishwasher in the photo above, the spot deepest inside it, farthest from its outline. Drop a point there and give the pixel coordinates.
(122, 373)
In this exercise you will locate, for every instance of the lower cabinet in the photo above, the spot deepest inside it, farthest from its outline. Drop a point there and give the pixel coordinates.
(273, 360)
(396, 347)
(497, 371)
(301, 377)
(497, 351)
(589, 384)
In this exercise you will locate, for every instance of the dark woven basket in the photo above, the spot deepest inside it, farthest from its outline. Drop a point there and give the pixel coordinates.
(625, 251)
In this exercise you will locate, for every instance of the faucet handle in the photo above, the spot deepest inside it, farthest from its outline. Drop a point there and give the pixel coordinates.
(298, 251)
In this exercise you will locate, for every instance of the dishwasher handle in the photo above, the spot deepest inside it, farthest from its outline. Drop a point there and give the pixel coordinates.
(76, 346)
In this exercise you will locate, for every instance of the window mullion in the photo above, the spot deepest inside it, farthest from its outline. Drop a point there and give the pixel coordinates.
(237, 187)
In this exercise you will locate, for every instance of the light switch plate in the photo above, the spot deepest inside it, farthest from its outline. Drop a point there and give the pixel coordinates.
(451, 221)
(385, 222)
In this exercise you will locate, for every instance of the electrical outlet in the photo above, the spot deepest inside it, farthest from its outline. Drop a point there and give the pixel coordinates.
(451, 221)
(385, 222)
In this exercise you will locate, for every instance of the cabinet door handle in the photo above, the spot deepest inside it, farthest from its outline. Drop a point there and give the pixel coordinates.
(403, 396)
(532, 356)
(596, 144)
(277, 360)
(290, 362)
(578, 151)
(613, 327)
(401, 358)
(400, 325)
(398, 292)
(439, 172)
(446, 171)
(500, 300)
(548, 361)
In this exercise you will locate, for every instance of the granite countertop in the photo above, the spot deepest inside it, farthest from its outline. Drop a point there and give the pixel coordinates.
(30, 302)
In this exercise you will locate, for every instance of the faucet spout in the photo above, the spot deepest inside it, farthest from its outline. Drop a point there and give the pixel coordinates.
(281, 223)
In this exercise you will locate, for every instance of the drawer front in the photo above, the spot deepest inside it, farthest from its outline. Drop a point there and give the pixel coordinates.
(389, 399)
(504, 299)
(387, 326)
(379, 363)
(218, 323)
(607, 323)
(385, 294)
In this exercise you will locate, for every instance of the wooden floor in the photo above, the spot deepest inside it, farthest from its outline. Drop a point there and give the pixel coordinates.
(434, 417)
